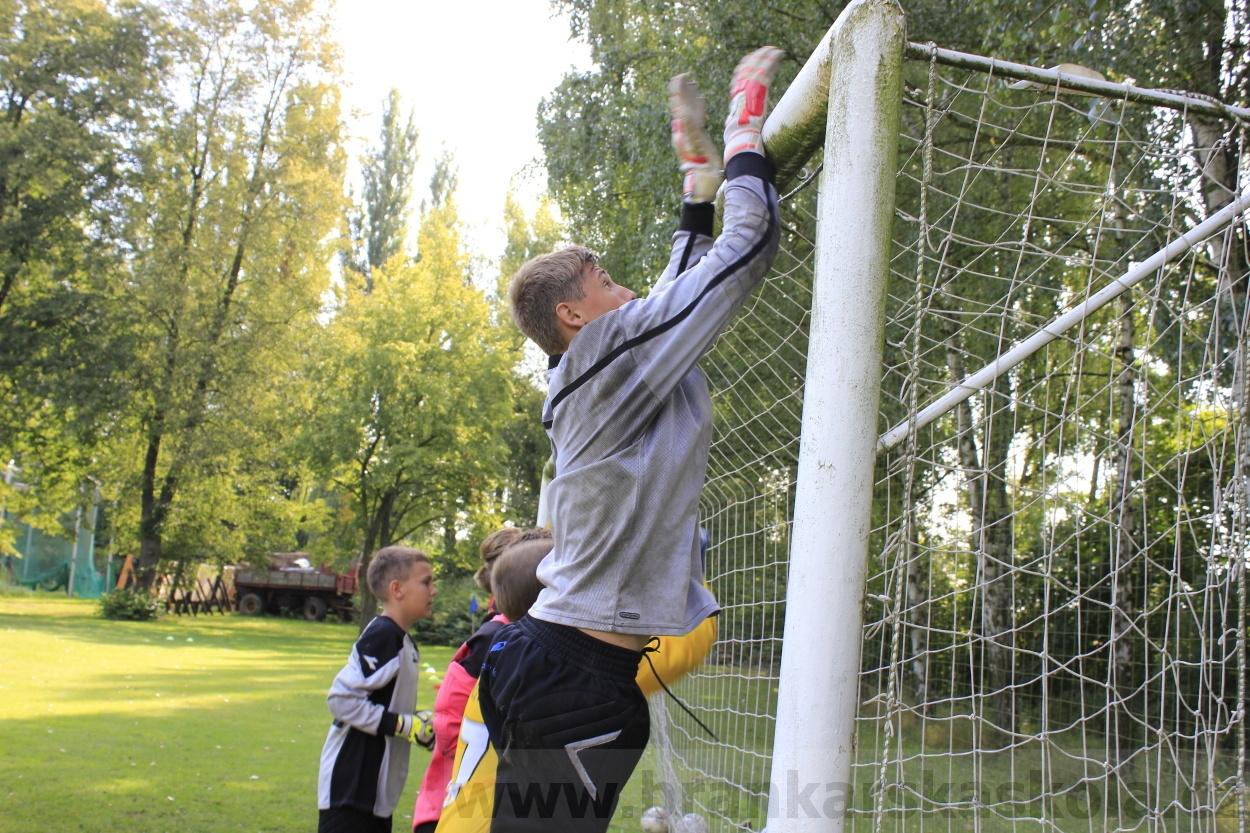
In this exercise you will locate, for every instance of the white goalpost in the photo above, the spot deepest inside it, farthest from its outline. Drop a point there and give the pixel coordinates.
(977, 496)
(814, 741)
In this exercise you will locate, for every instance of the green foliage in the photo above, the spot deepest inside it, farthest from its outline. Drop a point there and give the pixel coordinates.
(379, 226)
(228, 263)
(129, 605)
(77, 81)
(408, 386)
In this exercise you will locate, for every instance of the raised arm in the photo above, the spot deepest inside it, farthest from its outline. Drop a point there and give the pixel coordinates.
(676, 326)
(700, 163)
(707, 281)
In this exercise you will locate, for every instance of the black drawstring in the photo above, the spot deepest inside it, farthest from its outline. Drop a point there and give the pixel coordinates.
(653, 647)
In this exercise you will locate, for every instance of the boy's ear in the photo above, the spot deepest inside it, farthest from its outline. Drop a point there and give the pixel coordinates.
(568, 316)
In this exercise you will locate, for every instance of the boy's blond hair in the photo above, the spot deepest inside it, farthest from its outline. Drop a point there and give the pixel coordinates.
(515, 576)
(542, 283)
(492, 547)
(392, 564)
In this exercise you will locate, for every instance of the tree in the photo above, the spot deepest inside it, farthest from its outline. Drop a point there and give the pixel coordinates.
(379, 227)
(526, 238)
(411, 384)
(527, 443)
(77, 79)
(242, 186)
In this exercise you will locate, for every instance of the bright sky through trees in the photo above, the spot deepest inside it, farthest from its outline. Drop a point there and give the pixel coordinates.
(474, 73)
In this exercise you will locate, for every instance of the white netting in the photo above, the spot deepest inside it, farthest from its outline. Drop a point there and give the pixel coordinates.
(1054, 630)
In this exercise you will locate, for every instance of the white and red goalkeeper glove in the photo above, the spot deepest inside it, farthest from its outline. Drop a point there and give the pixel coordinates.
(748, 101)
(700, 158)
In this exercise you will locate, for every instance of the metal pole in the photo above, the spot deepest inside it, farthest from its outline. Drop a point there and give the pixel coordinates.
(818, 698)
(73, 557)
(1185, 102)
(984, 377)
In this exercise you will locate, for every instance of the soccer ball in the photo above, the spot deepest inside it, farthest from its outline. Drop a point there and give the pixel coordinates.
(693, 823)
(654, 820)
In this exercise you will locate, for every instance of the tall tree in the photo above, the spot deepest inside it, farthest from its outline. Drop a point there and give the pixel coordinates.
(242, 185)
(527, 443)
(77, 79)
(411, 387)
(379, 226)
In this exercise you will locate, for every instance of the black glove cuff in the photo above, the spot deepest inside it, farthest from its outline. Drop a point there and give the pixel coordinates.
(697, 217)
(749, 163)
(388, 723)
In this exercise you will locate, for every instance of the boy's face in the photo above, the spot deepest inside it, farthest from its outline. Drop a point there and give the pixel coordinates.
(414, 596)
(601, 295)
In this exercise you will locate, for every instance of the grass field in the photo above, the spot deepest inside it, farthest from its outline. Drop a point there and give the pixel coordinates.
(187, 725)
(204, 724)
(208, 724)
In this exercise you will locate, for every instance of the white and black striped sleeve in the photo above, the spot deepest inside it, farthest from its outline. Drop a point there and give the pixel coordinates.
(361, 691)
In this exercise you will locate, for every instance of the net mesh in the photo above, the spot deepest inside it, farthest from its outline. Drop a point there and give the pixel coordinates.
(1054, 630)
(57, 562)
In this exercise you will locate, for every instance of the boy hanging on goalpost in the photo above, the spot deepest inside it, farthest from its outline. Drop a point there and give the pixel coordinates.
(563, 722)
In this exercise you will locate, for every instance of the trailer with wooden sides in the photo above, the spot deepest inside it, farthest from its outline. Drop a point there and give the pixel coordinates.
(312, 591)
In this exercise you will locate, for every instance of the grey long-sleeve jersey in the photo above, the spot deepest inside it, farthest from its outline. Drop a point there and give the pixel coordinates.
(630, 421)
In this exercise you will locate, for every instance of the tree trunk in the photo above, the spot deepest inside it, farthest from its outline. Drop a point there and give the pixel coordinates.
(1217, 155)
(992, 540)
(1218, 158)
(917, 628)
(1124, 548)
(151, 515)
(449, 535)
(996, 558)
(378, 535)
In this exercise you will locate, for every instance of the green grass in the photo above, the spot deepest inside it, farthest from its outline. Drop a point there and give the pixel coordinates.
(146, 727)
(206, 724)
(187, 725)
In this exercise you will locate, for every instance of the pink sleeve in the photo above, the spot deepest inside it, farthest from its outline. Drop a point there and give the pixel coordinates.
(449, 708)
(448, 713)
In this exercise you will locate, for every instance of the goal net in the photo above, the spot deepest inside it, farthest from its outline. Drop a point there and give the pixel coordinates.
(1054, 619)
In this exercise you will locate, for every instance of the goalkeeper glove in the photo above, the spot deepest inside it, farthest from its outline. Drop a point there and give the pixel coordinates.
(416, 728)
(694, 147)
(748, 101)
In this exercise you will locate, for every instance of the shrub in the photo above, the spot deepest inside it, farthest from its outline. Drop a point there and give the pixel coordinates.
(451, 623)
(131, 605)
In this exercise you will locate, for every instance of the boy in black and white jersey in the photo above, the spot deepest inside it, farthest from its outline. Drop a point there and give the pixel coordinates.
(365, 758)
(630, 419)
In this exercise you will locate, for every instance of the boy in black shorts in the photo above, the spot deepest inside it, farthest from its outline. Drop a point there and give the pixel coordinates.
(630, 420)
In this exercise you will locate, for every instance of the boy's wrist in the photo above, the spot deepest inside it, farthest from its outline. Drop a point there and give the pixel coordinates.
(388, 724)
(749, 163)
(698, 217)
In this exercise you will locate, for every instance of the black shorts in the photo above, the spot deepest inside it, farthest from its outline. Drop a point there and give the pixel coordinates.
(351, 820)
(568, 722)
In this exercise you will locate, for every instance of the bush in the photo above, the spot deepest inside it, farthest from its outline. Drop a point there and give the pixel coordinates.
(130, 605)
(451, 623)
